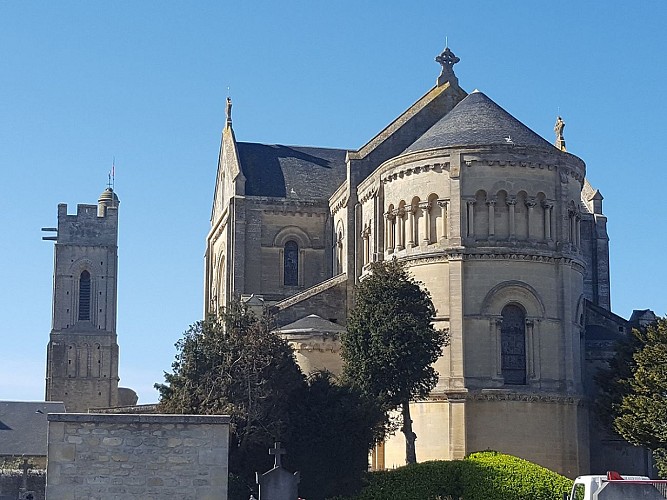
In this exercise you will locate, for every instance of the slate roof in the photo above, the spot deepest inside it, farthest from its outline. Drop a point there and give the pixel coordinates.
(23, 426)
(306, 173)
(311, 324)
(477, 121)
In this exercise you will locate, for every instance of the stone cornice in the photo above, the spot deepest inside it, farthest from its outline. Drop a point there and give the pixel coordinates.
(314, 342)
(496, 395)
(412, 169)
(342, 202)
(368, 194)
(448, 254)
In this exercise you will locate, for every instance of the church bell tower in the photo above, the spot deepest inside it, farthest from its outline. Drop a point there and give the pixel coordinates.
(82, 355)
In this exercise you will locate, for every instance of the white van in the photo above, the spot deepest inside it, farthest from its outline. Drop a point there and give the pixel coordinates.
(613, 486)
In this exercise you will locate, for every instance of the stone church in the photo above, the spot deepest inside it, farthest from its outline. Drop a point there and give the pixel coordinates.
(501, 226)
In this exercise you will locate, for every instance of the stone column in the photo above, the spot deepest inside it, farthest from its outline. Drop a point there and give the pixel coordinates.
(364, 235)
(511, 202)
(426, 208)
(577, 229)
(548, 207)
(471, 218)
(491, 202)
(496, 325)
(444, 210)
(400, 216)
(530, 348)
(571, 220)
(411, 226)
(530, 203)
(391, 231)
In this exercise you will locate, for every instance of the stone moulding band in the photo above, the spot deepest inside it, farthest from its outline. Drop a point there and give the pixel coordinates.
(524, 397)
(129, 418)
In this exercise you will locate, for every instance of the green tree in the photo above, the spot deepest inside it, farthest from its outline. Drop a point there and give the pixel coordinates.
(391, 344)
(234, 365)
(641, 417)
(331, 432)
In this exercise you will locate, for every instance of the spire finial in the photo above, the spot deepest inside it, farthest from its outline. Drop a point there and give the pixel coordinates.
(558, 129)
(228, 111)
(447, 60)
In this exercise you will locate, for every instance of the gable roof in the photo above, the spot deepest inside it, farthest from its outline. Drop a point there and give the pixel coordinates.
(477, 121)
(306, 173)
(23, 426)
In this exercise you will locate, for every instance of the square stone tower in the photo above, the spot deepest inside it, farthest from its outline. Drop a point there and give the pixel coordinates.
(82, 356)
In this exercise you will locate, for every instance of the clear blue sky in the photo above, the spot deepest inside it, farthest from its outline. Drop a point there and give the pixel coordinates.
(82, 82)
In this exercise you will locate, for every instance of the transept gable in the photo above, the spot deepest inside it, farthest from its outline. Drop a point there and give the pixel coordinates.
(229, 179)
(412, 123)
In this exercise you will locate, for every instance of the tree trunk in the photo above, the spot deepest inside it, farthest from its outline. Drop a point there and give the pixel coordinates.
(410, 437)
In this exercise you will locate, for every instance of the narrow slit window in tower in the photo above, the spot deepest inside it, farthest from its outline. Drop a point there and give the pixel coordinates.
(84, 296)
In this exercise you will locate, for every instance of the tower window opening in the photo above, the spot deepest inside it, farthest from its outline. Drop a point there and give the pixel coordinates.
(84, 296)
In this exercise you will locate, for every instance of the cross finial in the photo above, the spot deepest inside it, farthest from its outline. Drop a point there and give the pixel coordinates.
(447, 60)
(558, 129)
(277, 451)
(228, 111)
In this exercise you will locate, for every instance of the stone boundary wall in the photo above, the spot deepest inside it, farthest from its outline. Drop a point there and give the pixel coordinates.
(11, 482)
(96, 456)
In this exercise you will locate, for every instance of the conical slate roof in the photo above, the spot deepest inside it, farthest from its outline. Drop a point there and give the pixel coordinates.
(477, 121)
(311, 324)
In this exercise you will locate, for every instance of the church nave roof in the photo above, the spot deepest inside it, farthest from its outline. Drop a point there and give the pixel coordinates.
(308, 173)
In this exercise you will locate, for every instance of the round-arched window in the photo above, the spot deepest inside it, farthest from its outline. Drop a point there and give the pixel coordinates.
(513, 344)
(291, 263)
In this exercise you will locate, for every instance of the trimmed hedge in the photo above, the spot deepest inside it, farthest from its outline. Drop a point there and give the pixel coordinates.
(493, 475)
(480, 476)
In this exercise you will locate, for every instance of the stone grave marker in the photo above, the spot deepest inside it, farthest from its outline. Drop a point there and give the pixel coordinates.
(278, 483)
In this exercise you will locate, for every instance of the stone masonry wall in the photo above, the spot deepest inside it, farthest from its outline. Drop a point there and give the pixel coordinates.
(109, 457)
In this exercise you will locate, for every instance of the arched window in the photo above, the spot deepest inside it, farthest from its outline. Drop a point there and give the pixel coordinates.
(513, 345)
(84, 296)
(291, 264)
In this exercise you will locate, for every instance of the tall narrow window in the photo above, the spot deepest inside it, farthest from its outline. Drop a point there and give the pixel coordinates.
(513, 345)
(84, 296)
(291, 264)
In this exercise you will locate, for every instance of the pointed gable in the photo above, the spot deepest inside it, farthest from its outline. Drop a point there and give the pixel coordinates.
(477, 121)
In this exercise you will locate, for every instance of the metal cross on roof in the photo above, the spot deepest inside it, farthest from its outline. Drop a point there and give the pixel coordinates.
(447, 60)
(277, 451)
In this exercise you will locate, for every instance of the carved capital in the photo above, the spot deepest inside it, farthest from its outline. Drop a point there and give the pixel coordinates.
(425, 205)
(491, 201)
(531, 202)
(390, 216)
(511, 200)
(443, 203)
(547, 205)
